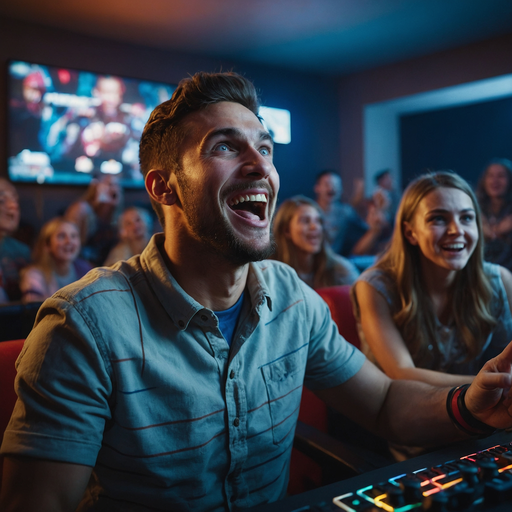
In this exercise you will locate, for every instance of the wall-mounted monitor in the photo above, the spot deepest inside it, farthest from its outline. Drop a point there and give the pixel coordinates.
(66, 126)
(278, 123)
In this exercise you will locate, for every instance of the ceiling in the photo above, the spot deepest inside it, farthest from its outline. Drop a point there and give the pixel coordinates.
(326, 36)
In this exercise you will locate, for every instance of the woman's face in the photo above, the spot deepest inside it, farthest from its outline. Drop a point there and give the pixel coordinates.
(133, 226)
(64, 244)
(444, 228)
(306, 230)
(496, 181)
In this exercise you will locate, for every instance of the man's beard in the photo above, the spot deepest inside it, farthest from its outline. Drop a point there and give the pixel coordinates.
(216, 232)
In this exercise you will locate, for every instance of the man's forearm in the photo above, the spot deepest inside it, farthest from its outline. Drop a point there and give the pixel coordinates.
(414, 413)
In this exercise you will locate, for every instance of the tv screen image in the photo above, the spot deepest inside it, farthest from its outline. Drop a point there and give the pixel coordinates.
(67, 126)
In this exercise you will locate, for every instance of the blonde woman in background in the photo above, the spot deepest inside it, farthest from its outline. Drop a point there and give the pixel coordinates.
(301, 243)
(431, 309)
(55, 261)
(134, 233)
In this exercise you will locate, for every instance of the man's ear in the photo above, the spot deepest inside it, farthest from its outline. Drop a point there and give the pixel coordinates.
(160, 188)
(409, 233)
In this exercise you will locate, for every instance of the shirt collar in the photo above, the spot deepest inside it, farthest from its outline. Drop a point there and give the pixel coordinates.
(180, 306)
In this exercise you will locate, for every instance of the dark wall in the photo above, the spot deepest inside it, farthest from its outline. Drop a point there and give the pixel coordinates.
(469, 63)
(312, 100)
(461, 138)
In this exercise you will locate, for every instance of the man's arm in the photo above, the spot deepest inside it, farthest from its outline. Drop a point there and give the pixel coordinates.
(35, 485)
(404, 411)
(414, 413)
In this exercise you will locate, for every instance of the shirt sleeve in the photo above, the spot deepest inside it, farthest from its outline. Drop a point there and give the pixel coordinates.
(63, 386)
(331, 359)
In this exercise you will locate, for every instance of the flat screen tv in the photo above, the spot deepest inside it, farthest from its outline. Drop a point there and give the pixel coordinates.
(67, 126)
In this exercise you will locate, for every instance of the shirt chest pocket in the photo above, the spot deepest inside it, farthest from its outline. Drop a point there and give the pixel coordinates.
(283, 381)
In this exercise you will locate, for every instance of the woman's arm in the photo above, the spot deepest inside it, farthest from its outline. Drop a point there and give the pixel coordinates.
(387, 344)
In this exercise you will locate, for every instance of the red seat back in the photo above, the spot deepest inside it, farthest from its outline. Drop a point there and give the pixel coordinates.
(338, 300)
(9, 351)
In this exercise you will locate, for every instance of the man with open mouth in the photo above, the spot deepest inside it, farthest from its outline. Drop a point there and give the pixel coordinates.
(172, 381)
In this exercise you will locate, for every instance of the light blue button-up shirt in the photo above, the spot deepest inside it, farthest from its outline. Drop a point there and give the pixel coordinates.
(127, 373)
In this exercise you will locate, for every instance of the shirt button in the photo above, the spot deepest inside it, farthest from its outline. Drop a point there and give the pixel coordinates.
(232, 374)
(181, 323)
(236, 422)
(204, 318)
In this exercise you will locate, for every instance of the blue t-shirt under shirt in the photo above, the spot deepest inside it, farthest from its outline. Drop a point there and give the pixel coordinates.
(229, 318)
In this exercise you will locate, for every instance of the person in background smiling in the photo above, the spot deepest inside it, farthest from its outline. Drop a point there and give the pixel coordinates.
(431, 309)
(56, 263)
(494, 194)
(134, 233)
(14, 255)
(301, 243)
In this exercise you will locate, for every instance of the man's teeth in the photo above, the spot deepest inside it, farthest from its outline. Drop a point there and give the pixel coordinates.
(260, 198)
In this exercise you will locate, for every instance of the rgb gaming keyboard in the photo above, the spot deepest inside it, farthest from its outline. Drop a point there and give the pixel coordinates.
(473, 476)
(476, 481)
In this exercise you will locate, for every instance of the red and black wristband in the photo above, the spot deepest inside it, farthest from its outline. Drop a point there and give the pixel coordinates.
(461, 417)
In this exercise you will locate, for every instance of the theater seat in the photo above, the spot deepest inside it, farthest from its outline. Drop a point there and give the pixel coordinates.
(9, 351)
(329, 459)
(340, 305)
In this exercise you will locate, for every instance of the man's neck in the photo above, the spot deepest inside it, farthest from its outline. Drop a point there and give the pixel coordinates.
(208, 278)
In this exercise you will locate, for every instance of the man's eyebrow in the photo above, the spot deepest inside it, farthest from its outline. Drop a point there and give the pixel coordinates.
(235, 132)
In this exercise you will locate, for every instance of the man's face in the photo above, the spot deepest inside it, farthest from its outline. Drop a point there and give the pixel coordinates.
(328, 188)
(227, 183)
(9, 208)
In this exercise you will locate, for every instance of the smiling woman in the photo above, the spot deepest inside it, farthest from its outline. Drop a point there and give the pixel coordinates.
(431, 309)
(300, 241)
(56, 263)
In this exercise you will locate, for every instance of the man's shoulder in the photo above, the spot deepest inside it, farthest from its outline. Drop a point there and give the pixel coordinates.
(100, 281)
(272, 269)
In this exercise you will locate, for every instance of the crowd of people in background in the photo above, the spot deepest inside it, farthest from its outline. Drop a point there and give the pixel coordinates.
(93, 231)
(327, 241)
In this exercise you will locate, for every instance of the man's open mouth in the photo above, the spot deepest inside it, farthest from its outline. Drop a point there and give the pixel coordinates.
(247, 205)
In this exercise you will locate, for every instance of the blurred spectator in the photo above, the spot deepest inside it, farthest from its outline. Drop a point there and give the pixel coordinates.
(55, 261)
(343, 226)
(14, 255)
(386, 195)
(96, 217)
(301, 243)
(134, 233)
(494, 194)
